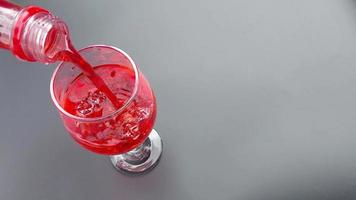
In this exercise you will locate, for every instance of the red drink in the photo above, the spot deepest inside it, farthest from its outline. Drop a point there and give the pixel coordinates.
(100, 91)
(122, 133)
(90, 115)
(88, 71)
(70, 54)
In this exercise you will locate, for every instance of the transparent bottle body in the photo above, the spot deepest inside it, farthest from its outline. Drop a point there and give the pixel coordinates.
(8, 13)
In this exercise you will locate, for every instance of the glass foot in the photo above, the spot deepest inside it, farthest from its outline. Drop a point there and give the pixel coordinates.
(141, 159)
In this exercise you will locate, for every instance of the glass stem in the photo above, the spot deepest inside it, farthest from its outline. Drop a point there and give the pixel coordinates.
(141, 159)
(138, 155)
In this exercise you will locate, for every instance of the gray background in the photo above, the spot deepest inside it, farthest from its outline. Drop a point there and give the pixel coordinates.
(256, 102)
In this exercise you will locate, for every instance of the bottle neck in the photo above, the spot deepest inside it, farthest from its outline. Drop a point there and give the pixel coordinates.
(32, 33)
(43, 37)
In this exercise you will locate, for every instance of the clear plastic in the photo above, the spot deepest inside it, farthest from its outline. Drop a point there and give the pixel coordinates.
(32, 33)
(44, 37)
(8, 13)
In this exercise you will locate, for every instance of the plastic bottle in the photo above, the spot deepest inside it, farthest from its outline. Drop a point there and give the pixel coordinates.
(32, 33)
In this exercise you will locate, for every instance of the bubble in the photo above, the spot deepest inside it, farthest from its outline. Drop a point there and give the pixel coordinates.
(91, 138)
(143, 113)
(112, 74)
(103, 135)
(134, 128)
(110, 124)
(113, 141)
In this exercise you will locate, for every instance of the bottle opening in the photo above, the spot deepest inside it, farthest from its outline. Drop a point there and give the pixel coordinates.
(44, 37)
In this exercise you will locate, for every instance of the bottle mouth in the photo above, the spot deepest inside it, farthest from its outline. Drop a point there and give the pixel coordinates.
(44, 37)
(105, 117)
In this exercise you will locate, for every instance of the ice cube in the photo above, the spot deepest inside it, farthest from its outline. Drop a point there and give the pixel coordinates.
(97, 97)
(85, 108)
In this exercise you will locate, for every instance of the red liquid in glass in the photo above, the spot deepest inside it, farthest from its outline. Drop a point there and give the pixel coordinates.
(99, 92)
(72, 55)
(128, 129)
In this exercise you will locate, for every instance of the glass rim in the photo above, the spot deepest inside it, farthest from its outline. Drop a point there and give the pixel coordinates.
(95, 119)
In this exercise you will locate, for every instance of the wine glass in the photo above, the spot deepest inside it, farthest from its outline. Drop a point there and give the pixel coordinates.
(124, 133)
